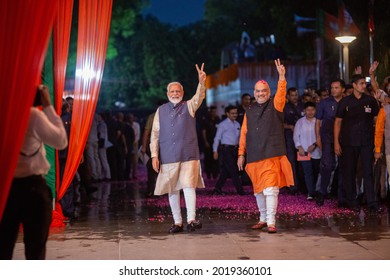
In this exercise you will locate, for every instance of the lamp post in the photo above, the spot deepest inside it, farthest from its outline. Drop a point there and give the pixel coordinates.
(345, 41)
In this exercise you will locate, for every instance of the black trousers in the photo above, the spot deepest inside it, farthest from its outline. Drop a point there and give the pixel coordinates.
(116, 160)
(152, 177)
(229, 155)
(328, 165)
(292, 158)
(349, 159)
(211, 166)
(128, 162)
(30, 204)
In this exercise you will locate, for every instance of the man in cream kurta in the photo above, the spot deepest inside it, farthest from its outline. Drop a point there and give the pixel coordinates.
(174, 143)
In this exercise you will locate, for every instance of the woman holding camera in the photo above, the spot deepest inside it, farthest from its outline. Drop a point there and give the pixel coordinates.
(30, 199)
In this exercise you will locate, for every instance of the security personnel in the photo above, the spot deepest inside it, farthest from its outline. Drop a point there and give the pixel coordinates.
(354, 138)
(325, 116)
(227, 138)
(293, 111)
(209, 129)
(241, 109)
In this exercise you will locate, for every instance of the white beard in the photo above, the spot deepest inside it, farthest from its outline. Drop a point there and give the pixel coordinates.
(175, 101)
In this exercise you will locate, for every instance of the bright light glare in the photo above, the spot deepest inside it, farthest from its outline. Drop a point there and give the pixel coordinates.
(120, 104)
(86, 73)
(345, 39)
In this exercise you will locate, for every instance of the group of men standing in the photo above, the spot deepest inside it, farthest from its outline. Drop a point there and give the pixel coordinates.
(175, 152)
(261, 145)
(344, 132)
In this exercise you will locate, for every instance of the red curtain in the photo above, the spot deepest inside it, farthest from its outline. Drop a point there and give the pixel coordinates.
(94, 25)
(25, 28)
(61, 37)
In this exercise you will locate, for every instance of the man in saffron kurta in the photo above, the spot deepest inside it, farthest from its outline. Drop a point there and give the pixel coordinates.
(262, 139)
(382, 136)
(174, 140)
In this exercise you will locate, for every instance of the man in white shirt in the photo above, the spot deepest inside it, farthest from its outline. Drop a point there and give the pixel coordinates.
(305, 142)
(226, 141)
(30, 199)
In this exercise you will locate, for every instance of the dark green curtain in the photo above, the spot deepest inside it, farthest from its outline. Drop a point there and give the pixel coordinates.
(48, 79)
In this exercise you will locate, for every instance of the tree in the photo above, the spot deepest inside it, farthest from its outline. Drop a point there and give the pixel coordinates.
(124, 13)
(145, 55)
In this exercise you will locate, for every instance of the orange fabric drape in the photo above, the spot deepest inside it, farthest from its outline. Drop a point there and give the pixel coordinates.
(25, 28)
(61, 38)
(222, 77)
(61, 35)
(94, 26)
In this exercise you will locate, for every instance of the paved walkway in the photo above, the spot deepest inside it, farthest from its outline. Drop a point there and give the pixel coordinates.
(117, 222)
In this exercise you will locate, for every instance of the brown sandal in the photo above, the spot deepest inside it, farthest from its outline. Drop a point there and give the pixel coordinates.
(259, 225)
(272, 229)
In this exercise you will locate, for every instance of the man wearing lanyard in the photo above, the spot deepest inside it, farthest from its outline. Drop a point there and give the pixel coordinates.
(354, 138)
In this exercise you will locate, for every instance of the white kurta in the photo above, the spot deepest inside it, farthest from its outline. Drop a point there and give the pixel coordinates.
(177, 175)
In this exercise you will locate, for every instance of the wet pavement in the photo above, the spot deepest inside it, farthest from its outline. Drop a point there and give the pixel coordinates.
(117, 222)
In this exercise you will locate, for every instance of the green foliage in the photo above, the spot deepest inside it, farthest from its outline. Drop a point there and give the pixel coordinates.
(112, 51)
(123, 18)
(144, 55)
(157, 54)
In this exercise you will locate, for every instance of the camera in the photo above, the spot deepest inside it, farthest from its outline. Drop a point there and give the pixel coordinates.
(38, 98)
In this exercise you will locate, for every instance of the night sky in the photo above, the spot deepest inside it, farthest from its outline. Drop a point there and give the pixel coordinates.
(176, 12)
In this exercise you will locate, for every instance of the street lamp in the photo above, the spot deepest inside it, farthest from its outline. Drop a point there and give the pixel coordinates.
(345, 41)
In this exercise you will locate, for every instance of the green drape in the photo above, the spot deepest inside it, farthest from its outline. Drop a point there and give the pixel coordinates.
(48, 79)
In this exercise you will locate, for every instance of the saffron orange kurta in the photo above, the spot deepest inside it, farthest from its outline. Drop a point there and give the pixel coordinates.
(275, 171)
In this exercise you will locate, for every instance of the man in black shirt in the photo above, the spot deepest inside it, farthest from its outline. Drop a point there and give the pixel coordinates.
(354, 138)
(245, 102)
(293, 111)
(209, 129)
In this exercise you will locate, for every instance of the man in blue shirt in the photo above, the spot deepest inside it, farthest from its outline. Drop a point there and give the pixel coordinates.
(325, 116)
(227, 139)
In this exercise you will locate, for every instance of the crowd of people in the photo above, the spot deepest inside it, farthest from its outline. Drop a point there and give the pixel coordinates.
(329, 140)
(327, 137)
(322, 143)
(111, 153)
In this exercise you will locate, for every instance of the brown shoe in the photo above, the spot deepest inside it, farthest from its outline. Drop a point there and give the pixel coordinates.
(272, 229)
(259, 225)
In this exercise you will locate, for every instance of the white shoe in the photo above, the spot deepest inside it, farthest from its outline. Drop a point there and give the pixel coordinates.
(309, 197)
